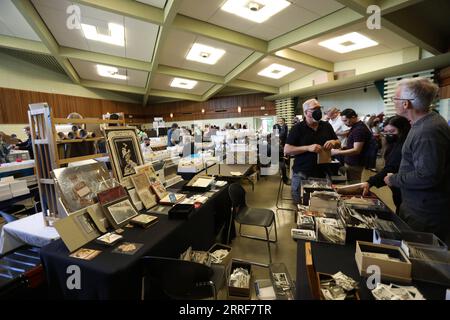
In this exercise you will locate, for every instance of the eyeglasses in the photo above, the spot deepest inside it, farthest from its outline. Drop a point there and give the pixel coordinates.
(315, 108)
(393, 99)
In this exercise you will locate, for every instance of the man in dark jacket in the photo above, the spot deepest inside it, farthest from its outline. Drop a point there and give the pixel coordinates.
(282, 136)
(28, 144)
(424, 174)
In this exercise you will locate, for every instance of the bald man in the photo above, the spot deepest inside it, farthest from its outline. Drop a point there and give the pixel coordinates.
(305, 140)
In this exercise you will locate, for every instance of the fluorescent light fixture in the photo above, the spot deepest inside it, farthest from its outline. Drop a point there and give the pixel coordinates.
(275, 71)
(348, 42)
(255, 10)
(239, 109)
(183, 83)
(110, 72)
(204, 54)
(116, 34)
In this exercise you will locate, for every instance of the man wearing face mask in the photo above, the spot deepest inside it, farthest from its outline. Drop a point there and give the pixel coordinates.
(304, 141)
(396, 130)
(145, 146)
(358, 142)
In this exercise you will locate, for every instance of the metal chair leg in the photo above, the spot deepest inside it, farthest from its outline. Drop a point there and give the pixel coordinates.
(268, 244)
(280, 197)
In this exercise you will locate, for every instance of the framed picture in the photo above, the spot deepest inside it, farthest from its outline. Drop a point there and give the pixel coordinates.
(112, 194)
(78, 186)
(142, 184)
(147, 169)
(77, 229)
(120, 212)
(159, 190)
(125, 152)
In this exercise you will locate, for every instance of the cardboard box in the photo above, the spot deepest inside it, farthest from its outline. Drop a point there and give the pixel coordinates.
(430, 264)
(325, 276)
(236, 292)
(391, 270)
(218, 246)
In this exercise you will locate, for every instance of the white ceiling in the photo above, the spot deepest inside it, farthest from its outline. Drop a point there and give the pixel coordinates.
(154, 3)
(388, 42)
(252, 73)
(88, 70)
(162, 82)
(179, 43)
(140, 37)
(299, 13)
(13, 24)
(140, 40)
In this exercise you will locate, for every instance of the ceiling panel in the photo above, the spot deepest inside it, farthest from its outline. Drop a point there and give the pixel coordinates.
(388, 42)
(140, 37)
(298, 14)
(179, 43)
(13, 24)
(162, 82)
(252, 73)
(154, 3)
(88, 71)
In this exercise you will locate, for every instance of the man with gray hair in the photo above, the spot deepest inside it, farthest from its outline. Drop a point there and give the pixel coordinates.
(424, 174)
(305, 140)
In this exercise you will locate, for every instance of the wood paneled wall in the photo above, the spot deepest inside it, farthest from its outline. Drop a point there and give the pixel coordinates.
(215, 108)
(14, 107)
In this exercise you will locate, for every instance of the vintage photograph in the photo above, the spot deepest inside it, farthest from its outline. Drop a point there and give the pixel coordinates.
(127, 156)
(120, 212)
(128, 248)
(86, 223)
(148, 170)
(85, 254)
(125, 152)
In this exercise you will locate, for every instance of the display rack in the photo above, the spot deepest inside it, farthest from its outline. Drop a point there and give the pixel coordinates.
(47, 158)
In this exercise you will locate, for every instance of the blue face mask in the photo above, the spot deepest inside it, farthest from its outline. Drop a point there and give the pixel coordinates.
(317, 115)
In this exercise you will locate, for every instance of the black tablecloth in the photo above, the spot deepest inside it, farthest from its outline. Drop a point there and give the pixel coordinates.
(331, 258)
(117, 276)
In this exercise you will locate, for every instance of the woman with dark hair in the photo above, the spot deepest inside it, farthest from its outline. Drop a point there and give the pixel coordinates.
(396, 130)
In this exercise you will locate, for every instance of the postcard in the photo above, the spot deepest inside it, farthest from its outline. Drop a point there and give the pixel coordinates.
(85, 254)
(128, 248)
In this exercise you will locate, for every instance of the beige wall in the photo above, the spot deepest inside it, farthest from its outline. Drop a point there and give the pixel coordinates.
(14, 128)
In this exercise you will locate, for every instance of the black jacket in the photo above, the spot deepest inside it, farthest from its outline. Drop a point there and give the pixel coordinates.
(392, 164)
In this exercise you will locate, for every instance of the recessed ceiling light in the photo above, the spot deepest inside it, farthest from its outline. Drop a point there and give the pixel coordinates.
(183, 83)
(275, 71)
(348, 42)
(204, 54)
(116, 34)
(255, 10)
(110, 72)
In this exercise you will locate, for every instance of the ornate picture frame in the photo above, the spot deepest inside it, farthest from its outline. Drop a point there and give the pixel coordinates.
(125, 152)
(120, 212)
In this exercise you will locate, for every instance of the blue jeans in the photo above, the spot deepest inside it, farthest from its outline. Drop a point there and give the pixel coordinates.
(296, 184)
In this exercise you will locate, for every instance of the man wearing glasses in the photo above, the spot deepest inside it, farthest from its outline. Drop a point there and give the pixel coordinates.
(424, 174)
(305, 140)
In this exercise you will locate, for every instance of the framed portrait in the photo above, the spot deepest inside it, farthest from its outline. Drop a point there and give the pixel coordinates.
(125, 152)
(120, 212)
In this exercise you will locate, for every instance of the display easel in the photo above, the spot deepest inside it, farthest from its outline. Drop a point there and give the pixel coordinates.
(47, 158)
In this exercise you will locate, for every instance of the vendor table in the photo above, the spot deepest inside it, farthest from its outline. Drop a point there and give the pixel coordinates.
(117, 276)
